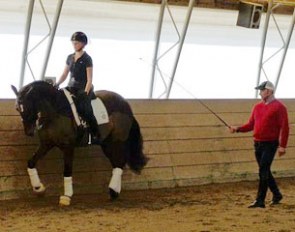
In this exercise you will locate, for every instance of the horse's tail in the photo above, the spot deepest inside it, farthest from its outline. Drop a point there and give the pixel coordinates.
(136, 159)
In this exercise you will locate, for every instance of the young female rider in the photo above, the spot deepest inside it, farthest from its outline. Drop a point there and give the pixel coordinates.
(79, 65)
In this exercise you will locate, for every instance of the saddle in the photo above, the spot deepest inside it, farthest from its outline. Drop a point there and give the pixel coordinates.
(99, 112)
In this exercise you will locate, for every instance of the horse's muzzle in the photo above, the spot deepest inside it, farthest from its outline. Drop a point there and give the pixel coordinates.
(31, 134)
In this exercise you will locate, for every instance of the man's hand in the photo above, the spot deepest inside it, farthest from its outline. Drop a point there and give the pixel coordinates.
(281, 151)
(233, 129)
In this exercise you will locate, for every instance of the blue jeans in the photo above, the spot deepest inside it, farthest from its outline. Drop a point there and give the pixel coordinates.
(265, 153)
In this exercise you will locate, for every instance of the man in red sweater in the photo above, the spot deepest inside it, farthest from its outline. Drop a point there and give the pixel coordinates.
(269, 121)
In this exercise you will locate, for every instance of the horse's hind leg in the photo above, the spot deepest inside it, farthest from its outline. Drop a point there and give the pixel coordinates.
(37, 185)
(116, 152)
(68, 153)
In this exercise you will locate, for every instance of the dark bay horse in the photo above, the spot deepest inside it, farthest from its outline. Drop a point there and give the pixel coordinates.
(45, 109)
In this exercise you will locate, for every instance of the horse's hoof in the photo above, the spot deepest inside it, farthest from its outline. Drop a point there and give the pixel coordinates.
(113, 194)
(64, 200)
(39, 191)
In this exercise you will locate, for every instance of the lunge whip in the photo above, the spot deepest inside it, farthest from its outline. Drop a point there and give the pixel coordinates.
(201, 102)
(217, 116)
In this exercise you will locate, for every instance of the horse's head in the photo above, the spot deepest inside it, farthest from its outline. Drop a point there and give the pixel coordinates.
(26, 106)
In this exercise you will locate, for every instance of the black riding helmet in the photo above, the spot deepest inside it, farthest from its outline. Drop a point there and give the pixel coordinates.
(80, 37)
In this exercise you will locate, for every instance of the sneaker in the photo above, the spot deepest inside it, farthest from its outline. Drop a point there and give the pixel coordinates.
(276, 200)
(257, 204)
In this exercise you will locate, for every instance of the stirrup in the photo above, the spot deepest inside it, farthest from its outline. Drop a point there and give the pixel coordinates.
(93, 139)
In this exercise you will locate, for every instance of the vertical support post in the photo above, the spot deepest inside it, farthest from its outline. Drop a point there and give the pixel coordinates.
(26, 42)
(51, 37)
(286, 46)
(158, 37)
(182, 38)
(263, 41)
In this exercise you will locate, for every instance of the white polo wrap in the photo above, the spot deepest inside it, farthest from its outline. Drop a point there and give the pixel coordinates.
(34, 177)
(116, 180)
(68, 186)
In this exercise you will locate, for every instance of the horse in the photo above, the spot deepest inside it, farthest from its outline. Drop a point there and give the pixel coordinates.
(44, 109)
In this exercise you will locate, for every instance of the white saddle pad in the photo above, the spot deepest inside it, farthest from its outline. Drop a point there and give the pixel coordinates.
(99, 111)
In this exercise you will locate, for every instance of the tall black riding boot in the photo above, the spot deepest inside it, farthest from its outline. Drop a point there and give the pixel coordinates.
(86, 112)
(94, 130)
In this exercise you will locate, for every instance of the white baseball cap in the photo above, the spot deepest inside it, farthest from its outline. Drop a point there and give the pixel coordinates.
(265, 85)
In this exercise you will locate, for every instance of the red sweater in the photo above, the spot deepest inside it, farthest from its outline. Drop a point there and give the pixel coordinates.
(270, 123)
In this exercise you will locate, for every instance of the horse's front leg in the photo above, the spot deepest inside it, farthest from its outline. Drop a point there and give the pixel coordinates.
(38, 187)
(65, 200)
(115, 183)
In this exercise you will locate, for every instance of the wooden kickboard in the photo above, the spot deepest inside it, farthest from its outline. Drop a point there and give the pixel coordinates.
(186, 144)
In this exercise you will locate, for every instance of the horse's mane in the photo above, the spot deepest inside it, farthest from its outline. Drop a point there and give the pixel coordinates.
(40, 87)
(44, 94)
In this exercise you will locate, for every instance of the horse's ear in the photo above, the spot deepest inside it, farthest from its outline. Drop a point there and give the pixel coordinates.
(14, 89)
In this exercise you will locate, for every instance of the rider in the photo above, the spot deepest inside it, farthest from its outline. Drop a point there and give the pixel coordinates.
(79, 65)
